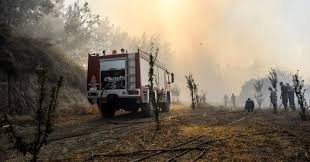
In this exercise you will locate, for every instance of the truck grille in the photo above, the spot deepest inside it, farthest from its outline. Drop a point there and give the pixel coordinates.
(92, 94)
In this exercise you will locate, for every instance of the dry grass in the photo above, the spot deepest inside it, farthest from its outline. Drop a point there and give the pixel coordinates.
(262, 136)
(253, 139)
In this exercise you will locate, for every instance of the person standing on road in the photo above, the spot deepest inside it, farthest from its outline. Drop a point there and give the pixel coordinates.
(249, 105)
(204, 98)
(225, 100)
(233, 100)
(291, 96)
(273, 98)
(252, 106)
(284, 95)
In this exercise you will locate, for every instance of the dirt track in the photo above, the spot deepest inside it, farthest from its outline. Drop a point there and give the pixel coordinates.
(186, 135)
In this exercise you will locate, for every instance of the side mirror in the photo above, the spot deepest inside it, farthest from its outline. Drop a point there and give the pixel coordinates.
(172, 77)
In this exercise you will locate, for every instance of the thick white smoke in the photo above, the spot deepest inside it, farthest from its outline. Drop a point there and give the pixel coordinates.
(223, 42)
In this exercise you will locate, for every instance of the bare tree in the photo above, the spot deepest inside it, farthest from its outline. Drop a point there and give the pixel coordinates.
(153, 100)
(47, 103)
(273, 77)
(175, 91)
(191, 86)
(299, 84)
(197, 98)
(258, 85)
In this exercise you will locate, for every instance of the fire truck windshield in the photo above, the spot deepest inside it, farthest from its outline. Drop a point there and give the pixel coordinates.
(113, 65)
(113, 74)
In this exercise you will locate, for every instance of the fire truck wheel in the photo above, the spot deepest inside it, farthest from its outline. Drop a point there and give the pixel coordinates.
(107, 111)
(148, 110)
(135, 110)
(165, 107)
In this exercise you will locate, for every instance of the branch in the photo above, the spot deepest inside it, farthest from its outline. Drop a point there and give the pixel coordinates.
(181, 149)
(150, 150)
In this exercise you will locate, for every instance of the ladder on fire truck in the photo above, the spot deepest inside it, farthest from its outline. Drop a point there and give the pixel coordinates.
(131, 71)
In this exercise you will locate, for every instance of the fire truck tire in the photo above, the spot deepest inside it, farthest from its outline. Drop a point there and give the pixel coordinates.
(135, 110)
(165, 107)
(107, 111)
(148, 110)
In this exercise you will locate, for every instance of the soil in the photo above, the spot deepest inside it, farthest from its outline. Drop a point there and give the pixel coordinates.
(204, 134)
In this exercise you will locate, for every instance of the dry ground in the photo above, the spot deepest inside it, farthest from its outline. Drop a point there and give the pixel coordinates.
(220, 135)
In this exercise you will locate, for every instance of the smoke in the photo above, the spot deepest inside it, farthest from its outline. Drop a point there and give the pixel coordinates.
(47, 26)
(224, 42)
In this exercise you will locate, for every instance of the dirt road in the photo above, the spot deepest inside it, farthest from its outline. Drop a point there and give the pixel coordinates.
(204, 134)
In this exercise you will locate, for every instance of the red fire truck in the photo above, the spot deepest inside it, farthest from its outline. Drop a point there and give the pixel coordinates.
(120, 81)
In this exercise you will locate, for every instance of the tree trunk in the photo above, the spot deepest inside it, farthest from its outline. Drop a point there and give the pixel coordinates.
(157, 112)
(193, 100)
(9, 93)
(303, 112)
(34, 157)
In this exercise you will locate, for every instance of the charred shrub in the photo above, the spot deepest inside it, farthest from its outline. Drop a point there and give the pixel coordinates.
(192, 86)
(299, 84)
(46, 106)
(258, 85)
(273, 77)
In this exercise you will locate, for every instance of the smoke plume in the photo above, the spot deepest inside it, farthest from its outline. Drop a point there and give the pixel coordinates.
(224, 42)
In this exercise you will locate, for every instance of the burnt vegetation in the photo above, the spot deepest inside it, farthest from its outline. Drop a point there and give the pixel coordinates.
(46, 107)
(155, 94)
(299, 87)
(20, 56)
(37, 32)
(258, 85)
(192, 86)
(175, 91)
(273, 78)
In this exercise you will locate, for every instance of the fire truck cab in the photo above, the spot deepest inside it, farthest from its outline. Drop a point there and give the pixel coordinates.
(120, 81)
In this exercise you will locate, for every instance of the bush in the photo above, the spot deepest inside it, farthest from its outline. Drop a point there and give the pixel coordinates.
(47, 103)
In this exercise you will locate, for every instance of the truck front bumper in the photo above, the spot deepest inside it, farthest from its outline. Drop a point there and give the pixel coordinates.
(123, 95)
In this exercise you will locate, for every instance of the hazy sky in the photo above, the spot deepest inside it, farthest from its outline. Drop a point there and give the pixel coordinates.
(223, 42)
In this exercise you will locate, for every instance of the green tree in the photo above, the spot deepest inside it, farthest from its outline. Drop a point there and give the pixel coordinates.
(80, 25)
(20, 12)
(103, 35)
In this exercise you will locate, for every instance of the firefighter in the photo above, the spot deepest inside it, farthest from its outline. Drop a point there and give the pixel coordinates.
(249, 105)
(204, 98)
(284, 95)
(291, 96)
(252, 105)
(273, 98)
(198, 99)
(233, 100)
(225, 100)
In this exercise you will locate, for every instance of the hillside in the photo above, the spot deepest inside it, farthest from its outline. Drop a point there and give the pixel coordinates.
(20, 55)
